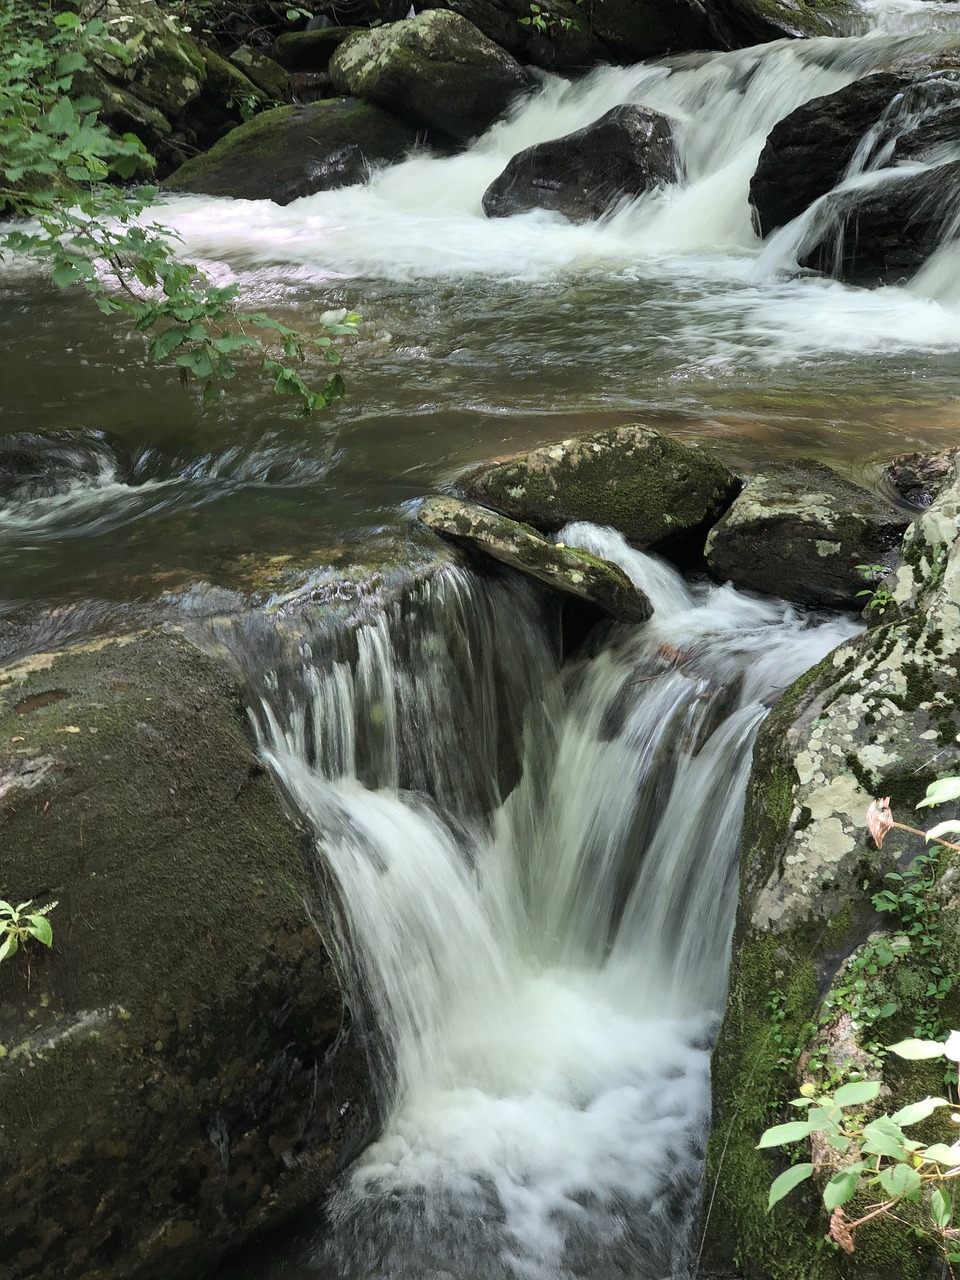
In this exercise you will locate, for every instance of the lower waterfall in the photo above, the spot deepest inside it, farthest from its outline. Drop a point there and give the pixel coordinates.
(542, 974)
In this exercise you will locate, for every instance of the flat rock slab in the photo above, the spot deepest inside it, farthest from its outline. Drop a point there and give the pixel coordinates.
(801, 532)
(628, 151)
(647, 485)
(566, 569)
(437, 70)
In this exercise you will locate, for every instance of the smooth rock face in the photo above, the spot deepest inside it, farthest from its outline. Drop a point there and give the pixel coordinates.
(884, 234)
(626, 152)
(177, 1072)
(799, 532)
(295, 151)
(807, 151)
(436, 69)
(879, 717)
(565, 569)
(649, 486)
(738, 24)
(919, 477)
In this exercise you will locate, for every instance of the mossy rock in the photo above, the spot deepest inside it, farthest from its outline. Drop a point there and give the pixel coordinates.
(565, 569)
(310, 50)
(805, 533)
(166, 68)
(265, 73)
(650, 486)
(437, 70)
(177, 1072)
(738, 24)
(878, 717)
(290, 152)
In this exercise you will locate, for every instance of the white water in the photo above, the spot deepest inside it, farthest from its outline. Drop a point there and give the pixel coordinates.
(423, 218)
(546, 988)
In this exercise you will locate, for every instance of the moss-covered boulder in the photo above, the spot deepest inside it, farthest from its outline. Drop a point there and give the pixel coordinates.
(566, 569)
(177, 1072)
(879, 717)
(805, 533)
(650, 486)
(310, 50)
(437, 70)
(295, 151)
(626, 152)
(738, 24)
(165, 67)
(265, 73)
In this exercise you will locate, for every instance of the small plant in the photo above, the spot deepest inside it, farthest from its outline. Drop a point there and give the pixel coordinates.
(18, 924)
(878, 597)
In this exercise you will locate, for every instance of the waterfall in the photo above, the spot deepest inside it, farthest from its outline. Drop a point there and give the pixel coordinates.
(542, 966)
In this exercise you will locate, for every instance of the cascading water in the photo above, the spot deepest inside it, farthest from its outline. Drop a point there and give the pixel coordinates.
(543, 974)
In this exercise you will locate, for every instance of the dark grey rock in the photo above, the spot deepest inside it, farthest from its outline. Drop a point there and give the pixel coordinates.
(650, 486)
(565, 569)
(919, 477)
(626, 152)
(799, 532)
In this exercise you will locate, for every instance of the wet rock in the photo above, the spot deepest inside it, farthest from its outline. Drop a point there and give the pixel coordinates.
(436, 69)
(806, 153)
(799, 532)
(879, 717)
(884, 233)
(632, 31)
(565, 569)
(228, 97)
(626, 152)
(919, 477)
(165, 66)
(647, 485)
(183, 1052)
(38, 465)
(891, 116)
(567, 41)
(295, 151)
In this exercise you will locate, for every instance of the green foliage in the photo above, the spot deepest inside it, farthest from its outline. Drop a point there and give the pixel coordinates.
(878, 597)
(58, 167)
(18, 925)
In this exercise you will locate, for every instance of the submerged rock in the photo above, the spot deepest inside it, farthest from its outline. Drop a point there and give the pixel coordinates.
(647, 485)
(919, 477)
(626, 152)
(565, 569)
(295, 151)
(183, 1052)
(879, 717)
(807, 534)
(436, 70)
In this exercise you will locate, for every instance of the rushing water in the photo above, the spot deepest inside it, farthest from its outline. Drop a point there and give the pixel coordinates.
(543, 984)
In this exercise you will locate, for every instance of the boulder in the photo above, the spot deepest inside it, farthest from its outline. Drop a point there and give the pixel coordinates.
(178, 1071)
(649, 486)
(436, 69)
(884, 232)
(808, 151)
(626, 152)
(738, 24)
(264, 72)
(310, 50)
(227, 99)
(566, 569)
(295, 151)
(805, 533)
(879, 717)
(918, 477)
(165, 66)
(634, 31)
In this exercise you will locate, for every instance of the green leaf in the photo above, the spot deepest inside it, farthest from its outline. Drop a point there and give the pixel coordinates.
(842, 1187)
(878, 1141)
(62, 118)
(943, 829)
(942, 1154)
(786, 1182)
(781, 1134)
(9, 946)
(900, 1180)
(41, 929)
(941, 1207)
(917, 1111)
(65, 274)
(940, 792)
(917, 1049)
(850, 1095)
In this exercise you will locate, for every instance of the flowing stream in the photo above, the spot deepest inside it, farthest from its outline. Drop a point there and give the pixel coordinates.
(540, 966)
(543, 981)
